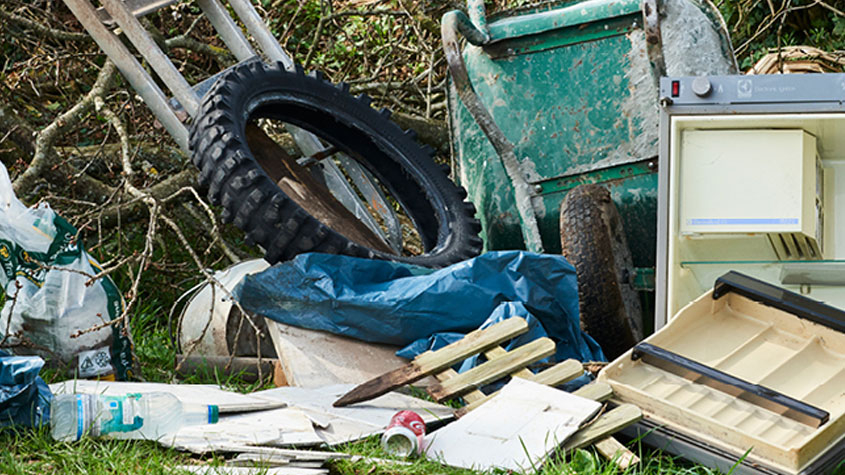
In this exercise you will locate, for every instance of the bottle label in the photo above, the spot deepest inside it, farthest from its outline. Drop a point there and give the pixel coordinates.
(122, 414)
(80, 416)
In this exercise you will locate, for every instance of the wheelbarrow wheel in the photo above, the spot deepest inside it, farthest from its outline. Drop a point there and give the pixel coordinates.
(242, 141)
(593, 241)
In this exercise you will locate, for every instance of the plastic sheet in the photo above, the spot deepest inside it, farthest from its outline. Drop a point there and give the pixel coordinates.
(24, 396)
(398, 304)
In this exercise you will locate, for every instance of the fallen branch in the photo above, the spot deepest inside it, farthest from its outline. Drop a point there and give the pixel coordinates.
(43, 30)
(44, 155)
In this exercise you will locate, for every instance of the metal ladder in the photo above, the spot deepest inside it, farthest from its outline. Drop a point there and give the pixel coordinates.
(101, 23)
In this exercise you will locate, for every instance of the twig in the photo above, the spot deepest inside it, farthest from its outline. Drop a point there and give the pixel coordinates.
(366, 13)
(428, 86)
(829, 7)
(47, 137)
(318, 31)
(223, 56)
(215, 230)
(44, 30)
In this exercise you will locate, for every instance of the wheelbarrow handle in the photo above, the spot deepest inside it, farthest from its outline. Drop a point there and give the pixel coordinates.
(477, 14)
(455, 22)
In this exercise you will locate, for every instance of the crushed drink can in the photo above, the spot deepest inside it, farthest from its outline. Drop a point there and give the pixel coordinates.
(404, 434)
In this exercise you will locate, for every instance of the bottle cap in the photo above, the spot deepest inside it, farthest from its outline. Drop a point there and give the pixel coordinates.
(213, 414)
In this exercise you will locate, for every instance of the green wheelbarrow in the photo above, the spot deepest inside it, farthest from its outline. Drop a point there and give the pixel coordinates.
(554, 122)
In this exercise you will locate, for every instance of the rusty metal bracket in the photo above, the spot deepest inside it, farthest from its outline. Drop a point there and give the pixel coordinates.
(653, 39)
(452, 23)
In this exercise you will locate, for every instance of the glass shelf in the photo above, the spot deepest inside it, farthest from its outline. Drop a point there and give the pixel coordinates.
(817, 272)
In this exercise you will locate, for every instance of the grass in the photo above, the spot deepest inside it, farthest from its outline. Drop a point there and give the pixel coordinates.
(35, 452)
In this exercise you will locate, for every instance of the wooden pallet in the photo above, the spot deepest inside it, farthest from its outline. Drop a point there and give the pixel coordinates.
(501, 364)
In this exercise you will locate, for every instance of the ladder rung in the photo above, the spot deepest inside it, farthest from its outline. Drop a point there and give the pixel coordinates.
(138, 8)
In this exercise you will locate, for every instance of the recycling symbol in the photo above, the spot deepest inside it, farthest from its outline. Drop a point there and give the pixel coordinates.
(102, 359)
(86, 365)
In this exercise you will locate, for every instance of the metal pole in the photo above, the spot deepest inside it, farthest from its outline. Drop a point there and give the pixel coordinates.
(228, 30)
(255, 25)
(131, 70)
(154, 55)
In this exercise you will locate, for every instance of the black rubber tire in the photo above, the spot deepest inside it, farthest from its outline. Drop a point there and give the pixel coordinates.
(593, 240)
(445, 222)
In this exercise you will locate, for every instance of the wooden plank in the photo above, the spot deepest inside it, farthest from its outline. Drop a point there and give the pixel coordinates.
(469, 397)
(607, 424)
(597, 391)
(476, 395)
(557, 374)
(498, 352)
(432, 362)
(617, 453)
(492, 370)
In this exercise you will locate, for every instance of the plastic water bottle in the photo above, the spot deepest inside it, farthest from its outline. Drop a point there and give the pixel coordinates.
(130, 416)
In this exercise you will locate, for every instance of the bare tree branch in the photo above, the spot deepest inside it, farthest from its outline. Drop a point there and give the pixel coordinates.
(42, 158)
(42, 29)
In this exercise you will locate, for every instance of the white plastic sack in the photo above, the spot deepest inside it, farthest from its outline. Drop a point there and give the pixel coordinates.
(45, 272)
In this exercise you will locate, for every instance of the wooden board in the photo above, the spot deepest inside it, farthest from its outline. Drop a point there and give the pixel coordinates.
(597, 391)
(607, 424)
(310, 358)
(613, 450)
(476, 395)
(493, 370)
(554, 376)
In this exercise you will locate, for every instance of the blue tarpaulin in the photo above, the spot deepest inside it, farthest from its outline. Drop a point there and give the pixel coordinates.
(399, 304)
(24, 396)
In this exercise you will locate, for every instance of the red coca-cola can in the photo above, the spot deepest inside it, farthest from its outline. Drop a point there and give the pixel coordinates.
(404, 434)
